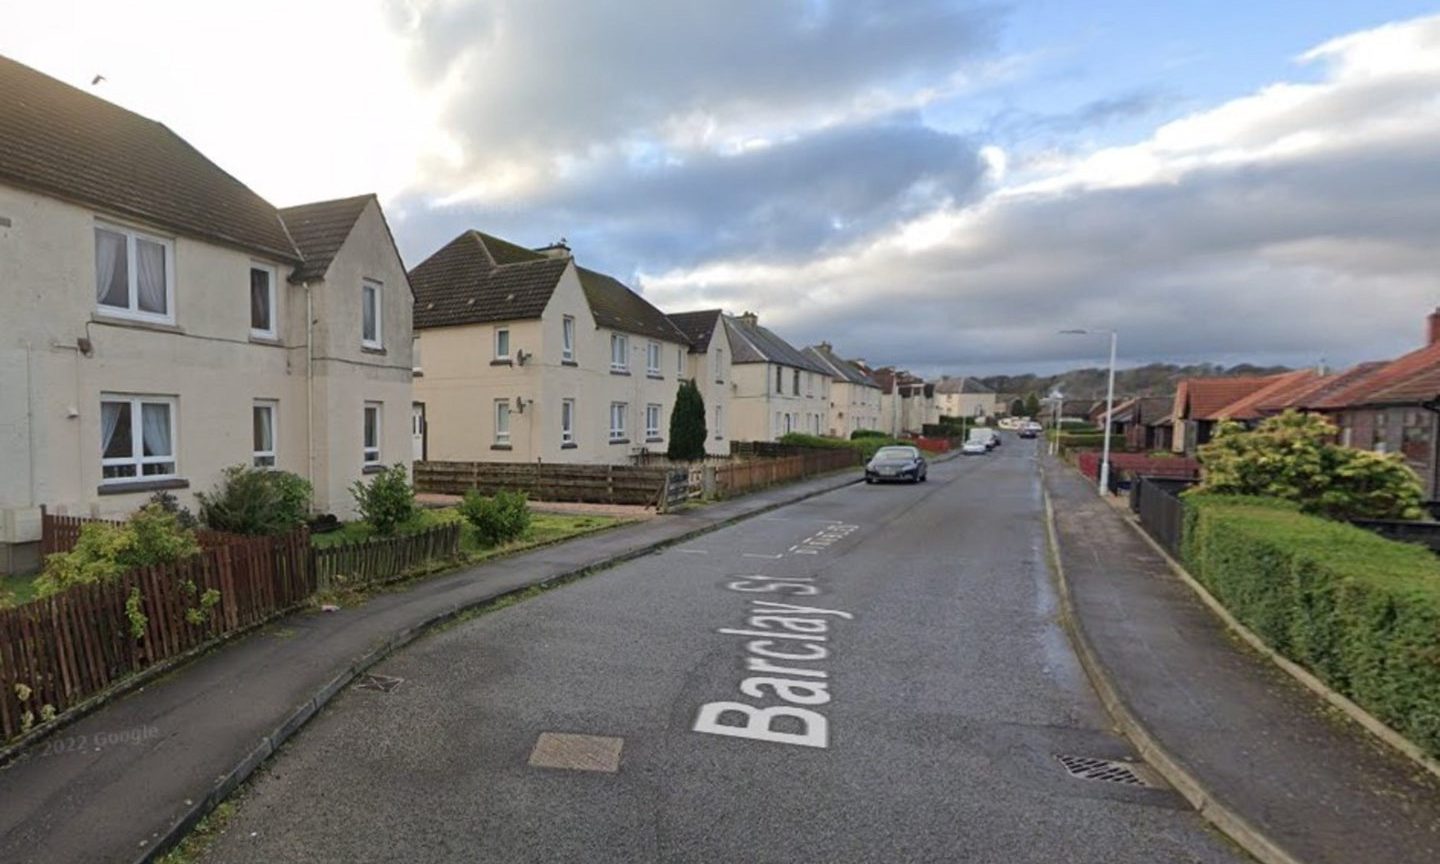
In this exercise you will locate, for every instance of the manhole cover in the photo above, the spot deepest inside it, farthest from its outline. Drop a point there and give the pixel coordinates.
(378, 683)
(1107, 770)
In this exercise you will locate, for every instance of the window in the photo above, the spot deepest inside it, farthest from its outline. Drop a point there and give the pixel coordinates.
(719, 365)
(137, 437)
(652, 359)
(719, 423)
(617, 420)
(415, 355)
(134, 274)
(779, 380)
(567, 421)
(795, 382)
(502, 343)
(262, 301)
(619, 353)
(679, 362)
(262, 415)
(789, 423)
(502, 422)
(652, 422)
(370, 334)
(809, 385)
(372, 433)
(567, 338)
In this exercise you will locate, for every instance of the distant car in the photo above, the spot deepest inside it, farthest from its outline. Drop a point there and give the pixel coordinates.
(989, 437)
(974, 447)
(896, 463)
(1027, 432)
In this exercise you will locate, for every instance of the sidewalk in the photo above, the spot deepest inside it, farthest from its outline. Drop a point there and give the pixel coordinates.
(138, 772)
(1312, 786)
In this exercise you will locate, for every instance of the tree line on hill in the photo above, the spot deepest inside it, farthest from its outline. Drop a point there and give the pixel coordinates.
(1154, 379)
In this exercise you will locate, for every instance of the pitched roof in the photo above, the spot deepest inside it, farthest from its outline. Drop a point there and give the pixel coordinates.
(838, 367)
(698, 327)
(462, 283)
(962, 385)
(319, 230)
(58, 140)
(756, 344)
(1269, 398)
(1202, 398)
(1406, 379)
(1151, 410)
(615, 306)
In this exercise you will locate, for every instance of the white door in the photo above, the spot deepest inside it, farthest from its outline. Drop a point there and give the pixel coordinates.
(417, 431)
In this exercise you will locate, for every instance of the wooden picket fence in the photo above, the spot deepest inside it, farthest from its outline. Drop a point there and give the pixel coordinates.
(69, 646)
(380, 559)
(546, 481)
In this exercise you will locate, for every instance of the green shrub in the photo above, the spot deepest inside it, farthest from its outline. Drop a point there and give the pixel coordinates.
(1359, 611)
(183, 517)
(256, 501)
(498, 519)
(867, 433)
(1295, 457)
(687, 424)
(105, 551)
(387, 502)
(867, 445)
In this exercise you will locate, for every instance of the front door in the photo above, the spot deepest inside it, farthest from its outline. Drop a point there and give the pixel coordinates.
(417, 431)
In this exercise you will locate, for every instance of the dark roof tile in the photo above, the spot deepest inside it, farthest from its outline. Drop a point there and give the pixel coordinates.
(615, 306)
(756, 344)
(698, 327)
(461, 284)
(319, 230)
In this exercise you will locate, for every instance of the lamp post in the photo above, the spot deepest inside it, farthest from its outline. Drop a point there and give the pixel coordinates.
(1058, 399)
(1109, 404)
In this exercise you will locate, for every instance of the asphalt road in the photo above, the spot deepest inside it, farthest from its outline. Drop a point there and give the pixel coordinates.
(927, 695)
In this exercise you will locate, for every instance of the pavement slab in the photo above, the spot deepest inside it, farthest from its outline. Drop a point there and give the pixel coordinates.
(1314, 783)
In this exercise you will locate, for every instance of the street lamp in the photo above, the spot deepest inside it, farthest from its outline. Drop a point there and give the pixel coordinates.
(1058, 400)
(1109, 404)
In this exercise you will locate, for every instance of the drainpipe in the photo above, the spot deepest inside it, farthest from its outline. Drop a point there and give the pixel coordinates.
(30, 415)
(310, 388)
(1433, 406)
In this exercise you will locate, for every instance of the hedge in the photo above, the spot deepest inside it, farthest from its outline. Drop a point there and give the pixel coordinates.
(1360, 612)
(866, 445)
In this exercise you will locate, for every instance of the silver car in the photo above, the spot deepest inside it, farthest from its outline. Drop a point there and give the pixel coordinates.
(896, 463)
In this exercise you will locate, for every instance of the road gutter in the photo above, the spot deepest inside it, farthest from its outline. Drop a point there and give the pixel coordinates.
(1232, 824)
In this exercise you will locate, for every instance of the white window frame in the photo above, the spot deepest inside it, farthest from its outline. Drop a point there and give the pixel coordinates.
(365, 450)
(502, 410)
(719, 365)
(719, 422)
(618, 412)
(502, 334)
(619, 345)
(655, 409)
(652, 358)
(368, 287)
(273, 300)
(567, 421)
(680, 361)
(567, 338)
(133, 310)
(259, 458)
(138, 459)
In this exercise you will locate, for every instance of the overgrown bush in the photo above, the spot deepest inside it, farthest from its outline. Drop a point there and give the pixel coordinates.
(867, 433)
(1295, 457)
(387, 501)
(105, 551)
(1359, 611)
(497, 519)
(183, 517)
(256, 501)
(867, 445)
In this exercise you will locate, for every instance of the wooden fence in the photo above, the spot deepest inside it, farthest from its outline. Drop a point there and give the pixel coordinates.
(740, 477)
(544, 481)
(70, 646)
(382, 558)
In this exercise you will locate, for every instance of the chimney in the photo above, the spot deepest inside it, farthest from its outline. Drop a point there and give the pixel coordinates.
(826, 347)
(750, 319)
(1434, 321)
(558, 249)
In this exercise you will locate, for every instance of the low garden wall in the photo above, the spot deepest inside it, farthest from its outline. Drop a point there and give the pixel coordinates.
(1138, 465)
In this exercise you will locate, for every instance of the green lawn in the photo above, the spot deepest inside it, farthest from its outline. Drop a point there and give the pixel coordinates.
(22, 588)
(544, 528)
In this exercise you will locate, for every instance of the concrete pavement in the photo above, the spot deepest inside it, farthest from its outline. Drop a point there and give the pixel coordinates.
(929, 691)
(1304, 784)
(115, 785)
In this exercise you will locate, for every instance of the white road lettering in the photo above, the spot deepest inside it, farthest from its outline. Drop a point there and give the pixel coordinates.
(818, 652)
(759, 723)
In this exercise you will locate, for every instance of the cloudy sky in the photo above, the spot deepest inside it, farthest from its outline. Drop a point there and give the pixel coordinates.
(941, 185)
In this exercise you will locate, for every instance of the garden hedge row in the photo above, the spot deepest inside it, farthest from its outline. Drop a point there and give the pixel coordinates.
(866, 445)
(1359, 611)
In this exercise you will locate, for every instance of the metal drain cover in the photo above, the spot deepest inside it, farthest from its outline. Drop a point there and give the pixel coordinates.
(378, 683)
(1108, 771)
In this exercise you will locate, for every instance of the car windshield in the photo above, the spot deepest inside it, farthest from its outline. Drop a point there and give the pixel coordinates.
(897, 453)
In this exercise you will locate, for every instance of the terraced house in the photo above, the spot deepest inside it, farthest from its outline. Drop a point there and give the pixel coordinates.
(854, 395)
(526, 356)
(710, 356)
(778, 389)
(163, 322)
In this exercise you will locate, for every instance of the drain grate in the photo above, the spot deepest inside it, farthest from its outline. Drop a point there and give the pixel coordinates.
(1105, 770)
(378, 683)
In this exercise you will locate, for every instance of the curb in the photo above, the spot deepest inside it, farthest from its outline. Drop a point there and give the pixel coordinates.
(1369, 722)
(1229, 822)
(308, 709)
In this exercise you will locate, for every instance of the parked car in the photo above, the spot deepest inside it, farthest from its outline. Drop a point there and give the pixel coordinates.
(896, 463)
(989, 437)
(974, 447)
(1027, 432)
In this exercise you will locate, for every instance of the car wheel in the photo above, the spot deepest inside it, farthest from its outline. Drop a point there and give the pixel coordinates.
(869, 480)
